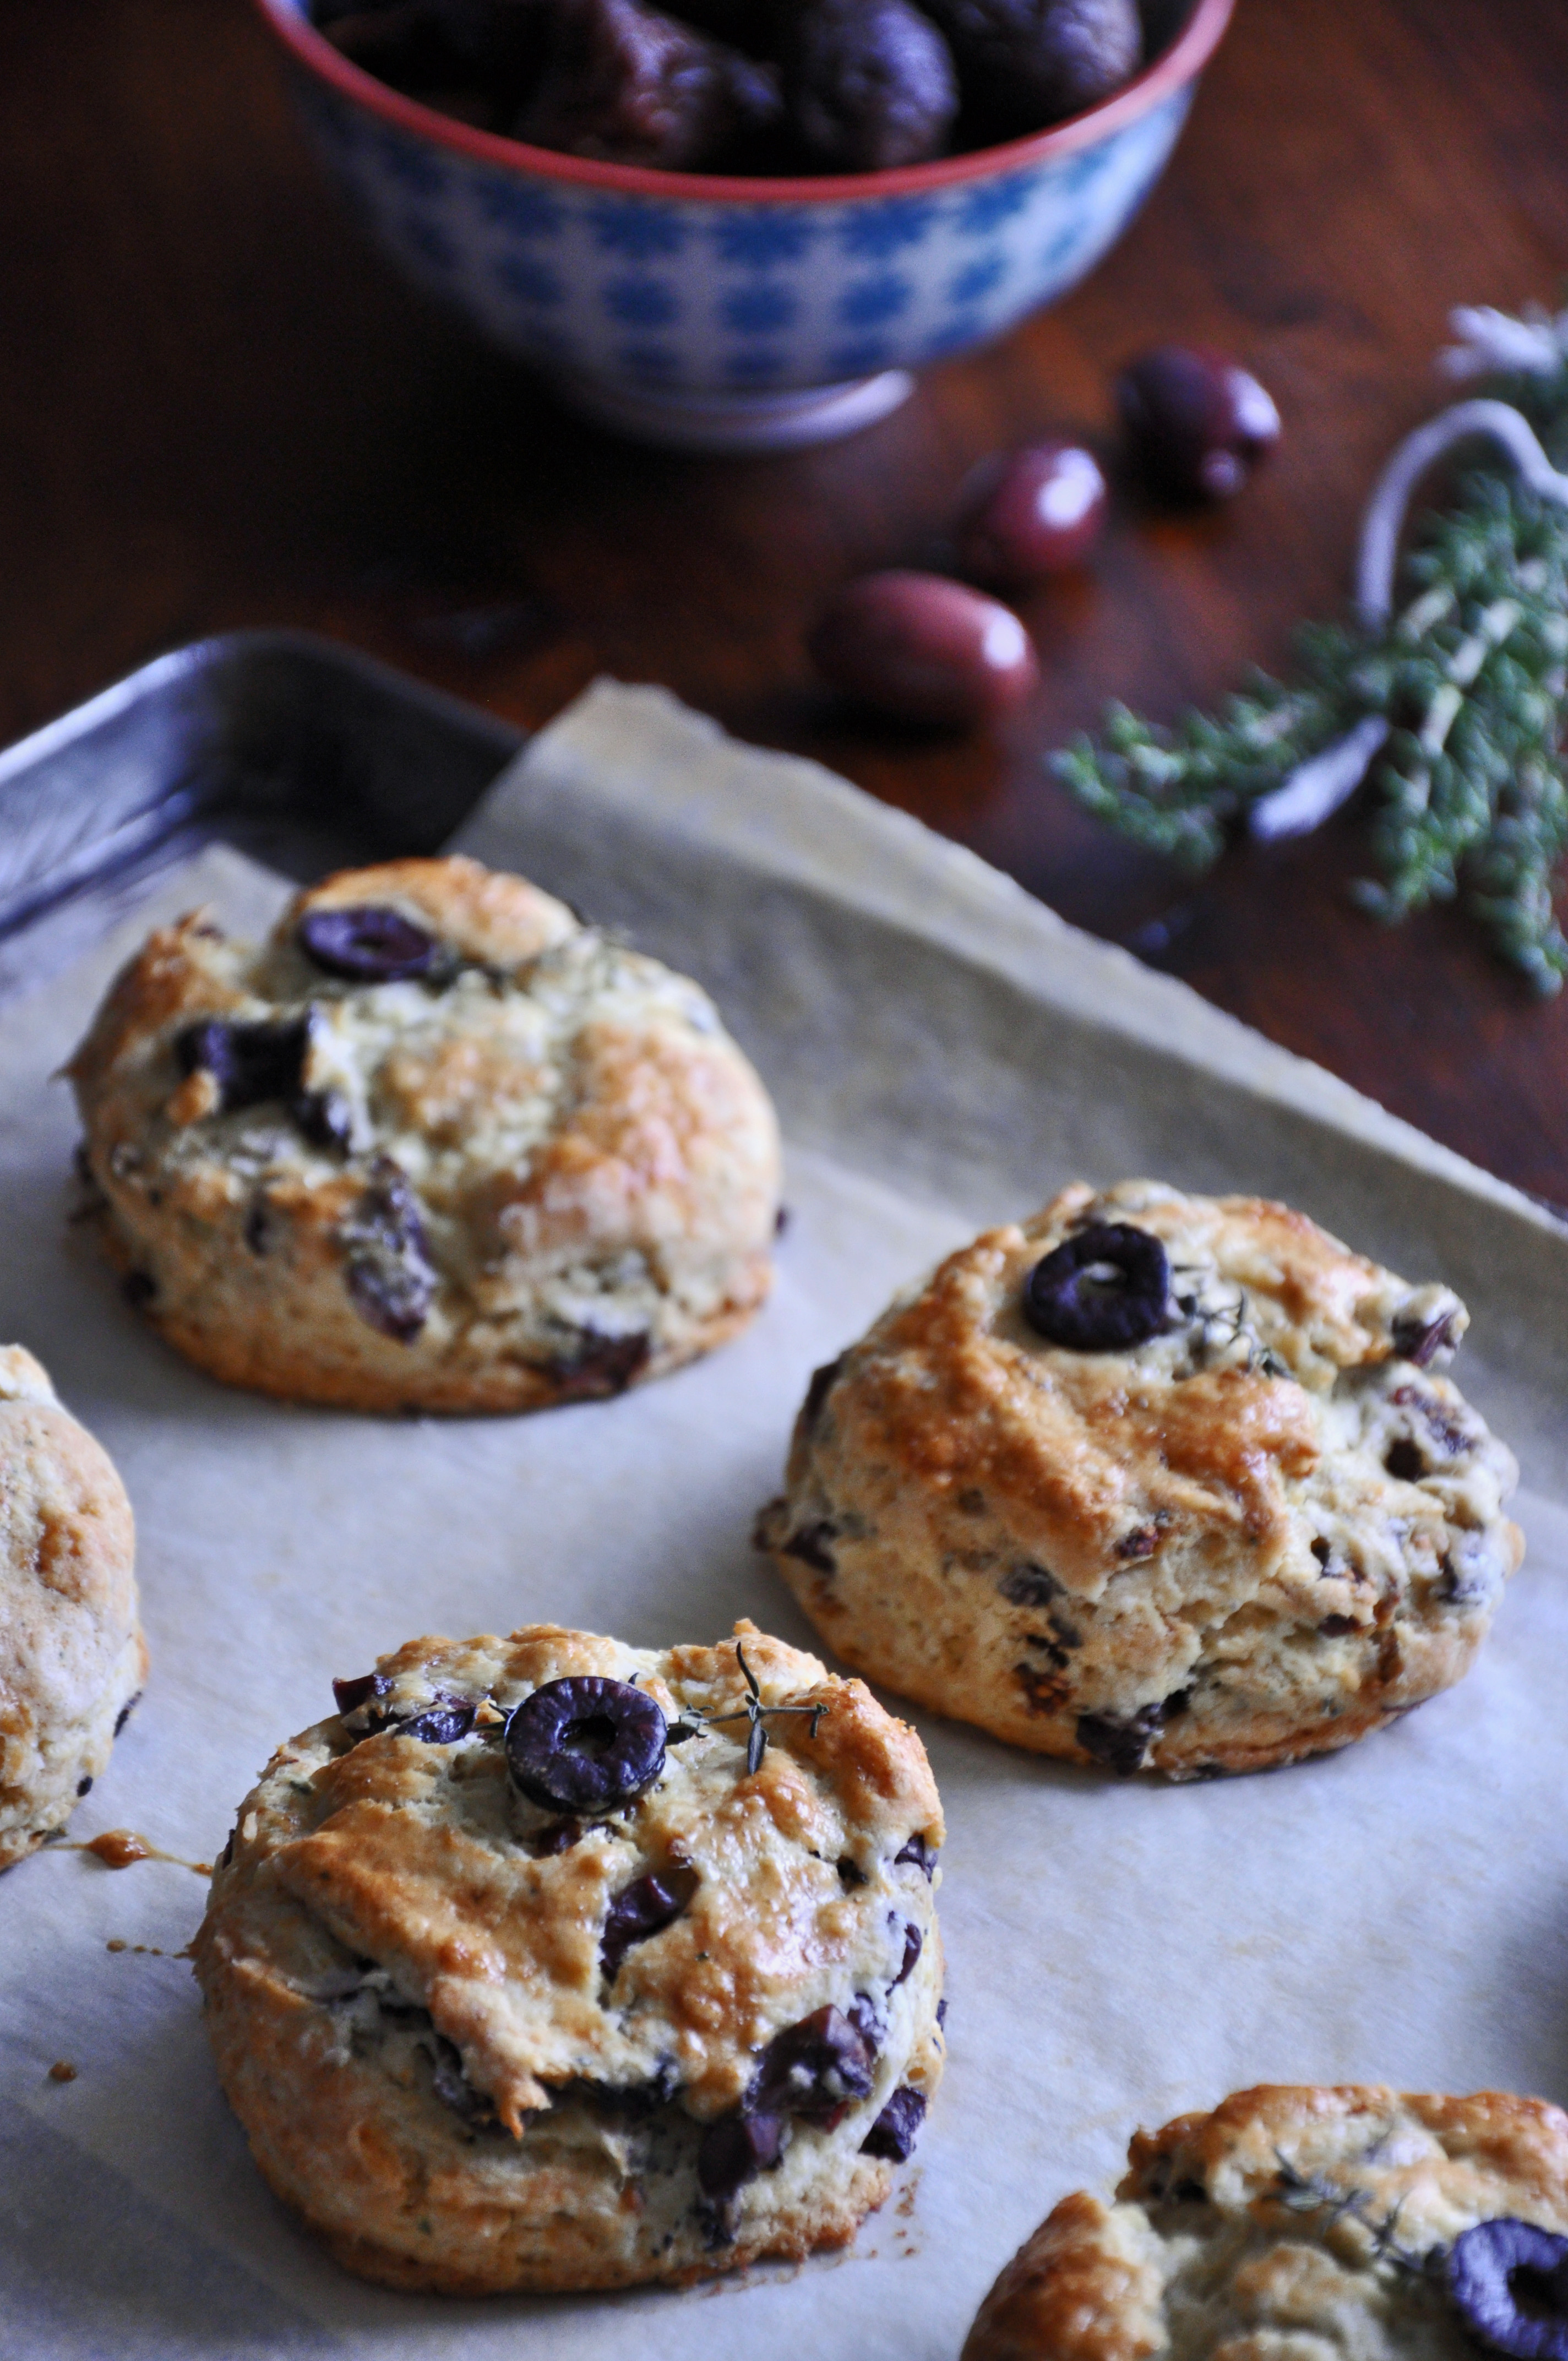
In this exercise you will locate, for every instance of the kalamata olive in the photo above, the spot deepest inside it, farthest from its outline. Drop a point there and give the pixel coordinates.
(924, 648)
(893, 2135)
(364, 1688)
(367, 943)
(1027, 513)
(586, 1743)
(1025, 63)
(869, 84)
(1196, 422)
(387, 1271)
(1509, 2278)
(1103, 1290)
(631, 86)
(643, 1908)
(815, 2070)
(734, 2150)
(250, 1063)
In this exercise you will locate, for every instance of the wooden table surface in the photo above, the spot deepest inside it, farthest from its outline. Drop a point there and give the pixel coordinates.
(219, 408)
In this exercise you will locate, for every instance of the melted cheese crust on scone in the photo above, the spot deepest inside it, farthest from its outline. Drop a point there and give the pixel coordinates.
(1263, 1531)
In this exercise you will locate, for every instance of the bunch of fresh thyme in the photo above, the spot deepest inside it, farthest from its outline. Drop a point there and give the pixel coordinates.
(1449, 699)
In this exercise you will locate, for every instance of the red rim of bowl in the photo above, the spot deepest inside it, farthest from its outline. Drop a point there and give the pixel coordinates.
(1184, 58)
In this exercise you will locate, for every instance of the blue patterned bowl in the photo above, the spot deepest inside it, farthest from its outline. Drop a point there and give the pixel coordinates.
(740, 314)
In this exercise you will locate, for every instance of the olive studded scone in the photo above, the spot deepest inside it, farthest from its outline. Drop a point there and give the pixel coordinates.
(548, 1963)
(1307, 2225)
(1152, 1482)
(72, 1659)
(436, 1145)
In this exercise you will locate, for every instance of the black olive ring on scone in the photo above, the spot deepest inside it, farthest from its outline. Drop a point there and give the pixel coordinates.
(436, 1146)
(548, 1963)
(1307, 2225)
(1152, 1482)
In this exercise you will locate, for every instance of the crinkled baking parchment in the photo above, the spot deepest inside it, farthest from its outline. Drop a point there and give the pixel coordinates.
(943, 1051)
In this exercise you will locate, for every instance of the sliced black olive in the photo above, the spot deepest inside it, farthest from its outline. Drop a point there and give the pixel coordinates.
(351, 1694)
(388, 1274)
(442, 1724)
(1421, 1341)
(893, 2135)
(249, 1063)
(1510, 2282)
(1103, 1290)
(586, 1743)
(812, 1545)
(813, 2069)
(368, 944)
(1121, 1741)
(598, 1367)
(642, 1908)
(734, 2150)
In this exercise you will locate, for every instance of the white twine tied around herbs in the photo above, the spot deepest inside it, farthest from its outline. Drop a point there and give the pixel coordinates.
(1489, 341)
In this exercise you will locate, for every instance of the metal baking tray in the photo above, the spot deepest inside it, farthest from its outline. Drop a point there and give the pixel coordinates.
(943, 1052)
(305, 755)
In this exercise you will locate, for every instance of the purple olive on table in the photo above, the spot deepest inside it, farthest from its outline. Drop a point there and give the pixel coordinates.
(1196, 422)
(627, 85)
(1025, 63)
(869, 84)
(920, 648)
(1026, 514)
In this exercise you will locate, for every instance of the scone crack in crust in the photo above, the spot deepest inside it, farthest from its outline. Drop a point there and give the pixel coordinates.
(702, 2022)
(1267, 1528)
(523, 1164)
(1295, 2223)
(72, 1659)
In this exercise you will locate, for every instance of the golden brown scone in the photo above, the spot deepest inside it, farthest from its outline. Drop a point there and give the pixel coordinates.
(436, 1146)
(485, 2035)
(1233, 1520)
(72, 1659)
(1303, 2224)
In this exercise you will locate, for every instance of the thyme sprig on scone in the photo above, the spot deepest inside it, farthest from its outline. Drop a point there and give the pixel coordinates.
(1309, 2192)
(691, 1721)
(1451, 704)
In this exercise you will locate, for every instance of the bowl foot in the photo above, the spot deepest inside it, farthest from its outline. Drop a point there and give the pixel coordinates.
(738, 422)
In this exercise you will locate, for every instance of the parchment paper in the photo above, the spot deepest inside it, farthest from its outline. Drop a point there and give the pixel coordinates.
(943, 1051)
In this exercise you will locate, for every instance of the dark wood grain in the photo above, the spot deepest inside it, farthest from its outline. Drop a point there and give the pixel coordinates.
(218, 409)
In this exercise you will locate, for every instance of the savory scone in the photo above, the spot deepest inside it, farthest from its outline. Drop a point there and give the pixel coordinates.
(1154, 1482)
(72, 1659)
(436, 1146)
(548, 1963)
(1301, 2225)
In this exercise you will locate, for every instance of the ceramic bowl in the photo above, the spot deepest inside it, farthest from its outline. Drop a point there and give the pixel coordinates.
(717, 314)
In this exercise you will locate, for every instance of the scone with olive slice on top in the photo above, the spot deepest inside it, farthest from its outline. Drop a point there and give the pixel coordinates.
(1152, 1482)
(72, 1659)
(548, 1963)
(436, 1146)
(1307, 2225)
